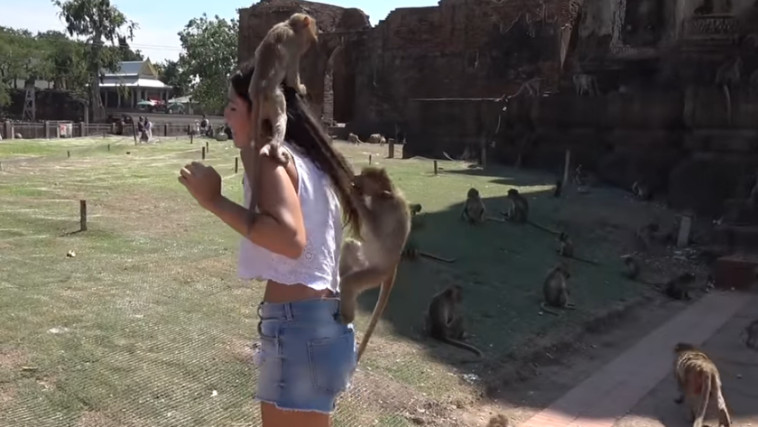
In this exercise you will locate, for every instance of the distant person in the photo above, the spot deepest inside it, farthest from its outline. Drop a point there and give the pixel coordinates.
(149, 129)
(143, 137)
(204, 124)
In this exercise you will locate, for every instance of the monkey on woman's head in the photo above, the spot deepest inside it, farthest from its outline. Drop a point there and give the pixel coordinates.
(277, 59)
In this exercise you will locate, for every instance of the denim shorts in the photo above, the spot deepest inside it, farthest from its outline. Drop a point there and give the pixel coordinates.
(307, 355)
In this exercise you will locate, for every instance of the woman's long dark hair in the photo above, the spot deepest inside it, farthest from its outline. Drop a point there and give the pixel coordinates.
(304, 131)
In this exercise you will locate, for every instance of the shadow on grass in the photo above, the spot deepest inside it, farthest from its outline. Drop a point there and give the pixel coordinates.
(500, 266)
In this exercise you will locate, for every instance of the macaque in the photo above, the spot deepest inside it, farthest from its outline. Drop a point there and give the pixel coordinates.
(678, 287)
(353, 138)
(444, 321)
(519, 211)
(277, 59)
(372, 261)
(699, 381)
(473, 209)
(555, 289)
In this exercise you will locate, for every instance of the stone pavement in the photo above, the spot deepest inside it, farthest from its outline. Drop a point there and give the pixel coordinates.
(610, 393)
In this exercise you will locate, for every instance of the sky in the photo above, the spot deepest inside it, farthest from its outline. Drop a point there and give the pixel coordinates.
(160, 20)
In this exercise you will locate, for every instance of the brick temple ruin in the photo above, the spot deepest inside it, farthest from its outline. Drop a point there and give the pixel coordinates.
(637, 89)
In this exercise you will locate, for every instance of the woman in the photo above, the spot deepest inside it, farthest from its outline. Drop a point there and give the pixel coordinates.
(307, 354)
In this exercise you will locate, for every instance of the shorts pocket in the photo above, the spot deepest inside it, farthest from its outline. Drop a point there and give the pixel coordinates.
(331, 362)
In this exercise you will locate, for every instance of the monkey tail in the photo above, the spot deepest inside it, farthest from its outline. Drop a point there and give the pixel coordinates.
(381, 304)
(463, 345)
(705, 395)
(728, 96)
(548, 310)
(542, 227)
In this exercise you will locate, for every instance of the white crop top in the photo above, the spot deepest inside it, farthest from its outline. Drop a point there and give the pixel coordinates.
(318, 265)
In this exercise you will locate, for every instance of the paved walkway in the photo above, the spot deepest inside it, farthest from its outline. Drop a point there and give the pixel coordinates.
(615, 389)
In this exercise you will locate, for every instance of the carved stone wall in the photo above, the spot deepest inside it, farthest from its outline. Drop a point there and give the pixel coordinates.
(435, 72)
(461, 48)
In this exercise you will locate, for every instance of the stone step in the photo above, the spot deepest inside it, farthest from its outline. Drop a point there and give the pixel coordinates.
(742, 238)
(736, 271)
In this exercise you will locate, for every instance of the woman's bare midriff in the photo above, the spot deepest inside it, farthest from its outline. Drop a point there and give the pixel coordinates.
(278, 293)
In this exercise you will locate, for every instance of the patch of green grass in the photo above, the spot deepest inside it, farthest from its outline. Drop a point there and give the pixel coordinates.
(156, 319)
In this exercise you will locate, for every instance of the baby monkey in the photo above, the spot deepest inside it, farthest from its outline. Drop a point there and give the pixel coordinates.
(372, 261)
(444, 321)
(699, 384)
(277, 59)
(555, 289)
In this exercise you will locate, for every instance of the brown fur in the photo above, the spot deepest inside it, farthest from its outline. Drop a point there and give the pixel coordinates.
(353, 139)
(565, 246)
(498, 420)
(277, 58)
(474, 210)
(519, 211)
(444, 321)
(678, 287)
(366, 264)
(699, 381)
(555, 289)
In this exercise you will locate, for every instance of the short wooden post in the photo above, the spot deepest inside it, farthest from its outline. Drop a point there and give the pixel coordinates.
(83, 215)
(236, 164)
(391, 148)
(12, 133)
(47, 129)
(109, 147)
(134, 132)
(68, 153)
(369, 159)
(566, 166)
(165, 129)
(58, 130)
(202, 149)
(435, 167)
(206, 146)
(191, 138)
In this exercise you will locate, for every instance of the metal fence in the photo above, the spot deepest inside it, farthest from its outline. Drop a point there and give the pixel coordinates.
(64, 129)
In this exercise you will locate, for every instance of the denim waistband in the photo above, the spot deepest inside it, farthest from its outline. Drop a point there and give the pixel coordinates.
(299, 309)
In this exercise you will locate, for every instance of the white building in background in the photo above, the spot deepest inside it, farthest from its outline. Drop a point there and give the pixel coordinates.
(134, 81)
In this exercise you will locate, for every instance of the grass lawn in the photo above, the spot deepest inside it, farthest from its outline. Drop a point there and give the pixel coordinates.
(148, 325)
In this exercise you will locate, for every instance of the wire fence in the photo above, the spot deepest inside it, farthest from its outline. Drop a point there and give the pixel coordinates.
(67, 129)
(147, 355)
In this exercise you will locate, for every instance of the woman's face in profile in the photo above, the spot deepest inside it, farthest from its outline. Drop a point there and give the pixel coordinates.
(237, 115)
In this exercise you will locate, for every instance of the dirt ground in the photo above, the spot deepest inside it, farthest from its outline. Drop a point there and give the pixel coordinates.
(738, 366)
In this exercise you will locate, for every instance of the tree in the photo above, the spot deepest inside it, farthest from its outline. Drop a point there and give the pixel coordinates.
(98, 22)
(208, 59)
(170, 73)
(65, 61)
(125, 53)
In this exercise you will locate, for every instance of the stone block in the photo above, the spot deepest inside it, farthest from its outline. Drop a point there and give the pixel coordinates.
(735, 271)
